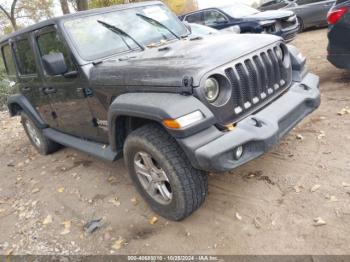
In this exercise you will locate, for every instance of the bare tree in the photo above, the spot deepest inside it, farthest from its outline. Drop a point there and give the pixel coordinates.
(64, 6)
(10, 14)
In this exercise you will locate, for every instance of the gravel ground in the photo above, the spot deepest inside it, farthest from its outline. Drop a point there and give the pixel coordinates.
(293, 200)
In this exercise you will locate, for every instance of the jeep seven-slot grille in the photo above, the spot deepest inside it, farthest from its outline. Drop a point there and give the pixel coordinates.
(256, 80)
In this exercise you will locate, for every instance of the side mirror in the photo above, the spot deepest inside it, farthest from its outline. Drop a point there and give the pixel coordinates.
(55, 64)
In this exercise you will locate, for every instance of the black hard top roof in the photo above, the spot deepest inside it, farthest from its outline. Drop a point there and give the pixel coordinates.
(55, 20)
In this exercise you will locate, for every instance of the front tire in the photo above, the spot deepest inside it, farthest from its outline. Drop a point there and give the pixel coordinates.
(162, 173)
(42, 144)
(301, 25)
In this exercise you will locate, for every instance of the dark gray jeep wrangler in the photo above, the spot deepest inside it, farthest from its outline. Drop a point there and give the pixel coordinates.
(132, 81)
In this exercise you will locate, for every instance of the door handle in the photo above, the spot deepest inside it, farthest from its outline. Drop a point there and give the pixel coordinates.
(49, 90)
(26, 89)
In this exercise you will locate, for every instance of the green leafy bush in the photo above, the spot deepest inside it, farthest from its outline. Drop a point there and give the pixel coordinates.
(6, 87)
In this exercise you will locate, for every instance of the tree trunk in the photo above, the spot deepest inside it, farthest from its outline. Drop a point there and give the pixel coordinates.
(64, 7)
(11, 15)
(14, 23)
(82, 5)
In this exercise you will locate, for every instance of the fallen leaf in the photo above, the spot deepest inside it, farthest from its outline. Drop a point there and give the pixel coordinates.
(9, 252)
(238, 216)
(321, 135)
(319, 222)
(47, 220)
(60, 190)
(134, 201)
(344, 111)
(153, 220)
(315, 188)
(35, 190)
(118, 243)
(344, 184)
(114, 201)
(331, 198)
(67, 224)
(299, 137)
(111, 179)
(298, 189)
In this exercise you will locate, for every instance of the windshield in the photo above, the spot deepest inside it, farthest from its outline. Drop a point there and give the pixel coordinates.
(238, 11)
(93, 39)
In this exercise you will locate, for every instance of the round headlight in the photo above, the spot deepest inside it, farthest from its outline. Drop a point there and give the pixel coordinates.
(211, 89)
(279, 53)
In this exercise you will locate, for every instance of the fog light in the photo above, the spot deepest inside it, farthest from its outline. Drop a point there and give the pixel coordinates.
(238, 152)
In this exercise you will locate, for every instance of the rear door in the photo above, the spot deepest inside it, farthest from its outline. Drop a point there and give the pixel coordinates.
(325, 6)
(313, 12)
(66, 92)
(29, 77)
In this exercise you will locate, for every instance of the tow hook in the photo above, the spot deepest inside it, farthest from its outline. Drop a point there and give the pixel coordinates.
(257, 122)
(305, 87)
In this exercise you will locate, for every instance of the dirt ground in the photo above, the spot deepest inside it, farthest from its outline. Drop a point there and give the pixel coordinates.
(268, 206)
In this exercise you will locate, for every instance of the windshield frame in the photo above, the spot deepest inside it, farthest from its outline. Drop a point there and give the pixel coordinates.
(106, 55)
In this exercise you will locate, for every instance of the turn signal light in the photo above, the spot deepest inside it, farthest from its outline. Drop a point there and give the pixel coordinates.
(183, 121)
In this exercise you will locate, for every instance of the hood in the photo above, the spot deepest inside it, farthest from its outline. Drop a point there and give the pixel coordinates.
(270, 15)
(167, 66)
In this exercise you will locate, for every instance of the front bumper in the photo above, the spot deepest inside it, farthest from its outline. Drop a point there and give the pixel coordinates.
(289, 34)
(212, 150)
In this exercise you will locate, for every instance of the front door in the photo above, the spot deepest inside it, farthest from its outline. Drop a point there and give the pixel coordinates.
(215, 19)
(66, 92)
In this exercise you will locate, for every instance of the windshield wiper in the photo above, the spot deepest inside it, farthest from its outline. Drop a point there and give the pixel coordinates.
(122, 34)
(156, 23)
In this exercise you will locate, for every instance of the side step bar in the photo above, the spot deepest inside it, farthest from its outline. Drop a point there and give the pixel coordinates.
(91, 148)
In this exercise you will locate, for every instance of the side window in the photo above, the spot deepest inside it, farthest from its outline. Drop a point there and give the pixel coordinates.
(25, 57)
(50, 43)
(214, 18)
(8, 60)
(195, 18)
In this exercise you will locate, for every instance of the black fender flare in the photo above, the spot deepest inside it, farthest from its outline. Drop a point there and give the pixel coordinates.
(157, 107)
(18, 100)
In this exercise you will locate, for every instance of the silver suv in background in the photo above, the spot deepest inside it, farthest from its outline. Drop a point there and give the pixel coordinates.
(310, 13)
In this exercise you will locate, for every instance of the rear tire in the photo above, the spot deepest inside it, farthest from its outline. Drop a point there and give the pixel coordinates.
(162, 173)
(42, 144)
